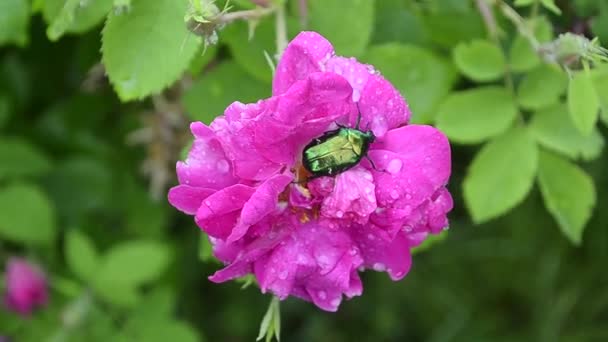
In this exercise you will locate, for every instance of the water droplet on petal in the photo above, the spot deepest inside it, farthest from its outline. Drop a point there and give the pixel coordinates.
(353, 251)
(371, 236)
(322, 295)
(408, 196)
(379, 267)
(394, 166)
(208, 203)
(283, 275)
(339, 213)
(407, 229)
(394, 194)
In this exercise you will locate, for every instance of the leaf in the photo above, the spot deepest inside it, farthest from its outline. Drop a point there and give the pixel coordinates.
(74, 16)
(447, 32)
(27, 215)
(431, 240)
(271, 323)
(542, 87)
(522, 56)
(214, 91)
(249, 53)
(553, 128)
(19, 158)
(421, 76)
(395, 21)
(144, 50)
(480, 60)
(127, 266)
(583, 102)
(568, 192)
(5, 110)
(473, 116)
(14, 21)
(81, 255)
(168, 330)
(358, 15)
(600, 83)
(522, 3)
(205, 249)
(551, 6)
(501, 175)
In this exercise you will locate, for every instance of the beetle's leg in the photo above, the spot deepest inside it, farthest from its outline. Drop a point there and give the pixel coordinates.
(358, 116)
(373, 165)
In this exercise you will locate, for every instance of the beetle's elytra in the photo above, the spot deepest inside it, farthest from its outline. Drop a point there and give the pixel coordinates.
(336, 151)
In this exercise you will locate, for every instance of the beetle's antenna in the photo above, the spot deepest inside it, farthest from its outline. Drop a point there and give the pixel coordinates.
(373, 165)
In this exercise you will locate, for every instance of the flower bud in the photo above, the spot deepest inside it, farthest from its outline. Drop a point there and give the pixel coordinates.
(26, 286)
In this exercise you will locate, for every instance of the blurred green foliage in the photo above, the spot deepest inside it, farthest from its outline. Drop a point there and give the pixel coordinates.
(95, 97)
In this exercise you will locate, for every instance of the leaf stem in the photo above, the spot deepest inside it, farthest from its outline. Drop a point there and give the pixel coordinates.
(281, 28)
(254, 14)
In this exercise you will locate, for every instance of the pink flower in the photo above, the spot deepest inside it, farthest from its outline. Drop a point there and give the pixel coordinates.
(25, 286)
(244, 183)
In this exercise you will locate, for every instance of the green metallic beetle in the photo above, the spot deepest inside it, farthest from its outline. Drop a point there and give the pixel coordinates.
(337, 150)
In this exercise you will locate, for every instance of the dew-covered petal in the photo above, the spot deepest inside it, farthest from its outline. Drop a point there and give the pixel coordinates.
(382, 107)
(188, 198)
(262, 138)
(352, 198)
(206, 165)
(381, 255)
(261, 203)
(413, 162)
(303, 55)
(219, 212)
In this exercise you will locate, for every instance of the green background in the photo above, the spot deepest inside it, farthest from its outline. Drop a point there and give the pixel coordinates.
(85, 161)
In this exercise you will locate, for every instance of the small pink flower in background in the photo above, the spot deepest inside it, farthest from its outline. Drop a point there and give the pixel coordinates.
(244, 183)
(26, 286)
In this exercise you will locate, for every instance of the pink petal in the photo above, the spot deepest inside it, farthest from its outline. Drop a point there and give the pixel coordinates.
(261, 203)
(352, 197)
(206, 165)
(382, 107)
(219, 212)
(303, 56)
(380, 255)
(188, 198)
(413, 162)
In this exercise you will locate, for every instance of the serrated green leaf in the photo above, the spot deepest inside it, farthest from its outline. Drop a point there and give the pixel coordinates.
(19, 158)
(568, 192)
(542, 87)
(421, 76)
(81, 255)
(473, 116)
(73, 16)
(14, 21)
(553, 128)
(27, 215)
(145, 49)
(127, 266)
(480, 60)
(249, 53)
(501, 175)
(358, 15)
(522, 56)
(583, 102)
(213, 92)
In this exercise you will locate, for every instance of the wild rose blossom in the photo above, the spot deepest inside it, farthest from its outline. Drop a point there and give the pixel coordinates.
(244, 183)
(26, 286)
